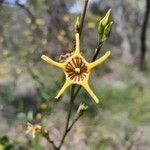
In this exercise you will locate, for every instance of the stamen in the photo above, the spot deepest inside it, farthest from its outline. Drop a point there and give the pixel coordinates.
(77, 70)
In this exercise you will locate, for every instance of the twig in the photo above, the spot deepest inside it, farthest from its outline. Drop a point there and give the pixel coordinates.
(33, 18)
(72, 97)
(78, 115)
(52, 142)
(68, 117)
(80, 33)
(69, 128)
(30, 14)
(74, 121)
(83, 17)
(97, 51)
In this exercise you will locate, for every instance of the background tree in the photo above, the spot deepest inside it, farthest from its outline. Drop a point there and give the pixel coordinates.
(143, 38)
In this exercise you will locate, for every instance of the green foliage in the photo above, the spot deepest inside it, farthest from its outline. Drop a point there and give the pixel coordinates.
(8, 144)
(6, 93)
(111, 94)
(103, 144)
(35, 144)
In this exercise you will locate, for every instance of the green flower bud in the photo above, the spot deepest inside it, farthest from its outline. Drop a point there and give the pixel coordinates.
(105, 20)
(77, 25)
(45, 133)
(107, 31)
(82, 108)
(104, 27)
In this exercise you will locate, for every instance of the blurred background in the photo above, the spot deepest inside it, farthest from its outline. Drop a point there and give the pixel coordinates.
(30, 28)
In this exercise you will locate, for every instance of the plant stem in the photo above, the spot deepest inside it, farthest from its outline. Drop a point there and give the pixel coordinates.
(83, 17)
(72, 97)
(68, 117)
(52, 142)
(97, 51)
(74, 121)
(31, 16)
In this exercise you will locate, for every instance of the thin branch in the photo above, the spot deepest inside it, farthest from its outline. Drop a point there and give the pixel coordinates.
(27, 10)
(72, 97)
(68, 117)
(69, 128)
(30, 14)
(52, 142)
(71, 106)
(83, 17)
(78, 115)
(73, 93)
(74, 121)
(97, 51)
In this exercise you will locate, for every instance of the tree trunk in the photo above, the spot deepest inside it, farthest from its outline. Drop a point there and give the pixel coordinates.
(143, 34)
(1, 1)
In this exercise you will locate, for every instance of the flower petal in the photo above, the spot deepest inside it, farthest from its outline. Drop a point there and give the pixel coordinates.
(67, 83)
(77, 50)
(88, 89)
(52, 62)
(99, 61)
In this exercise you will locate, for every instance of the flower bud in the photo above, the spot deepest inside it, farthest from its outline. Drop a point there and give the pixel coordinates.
(105, 20)
(107, 31)
(104, 27)
(82, 108)
(45, 133)
(77, 25)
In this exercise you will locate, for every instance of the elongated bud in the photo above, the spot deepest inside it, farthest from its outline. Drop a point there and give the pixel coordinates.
(107, 31)
(108, 28)
(105, 20)
(104, 27)
(77, 25)
(45, 133)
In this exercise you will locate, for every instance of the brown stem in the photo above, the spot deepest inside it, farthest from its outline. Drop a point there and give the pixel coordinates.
(68, 117)
(73, 96)
(33, 18)
(83, 17)
(67, 128)
(143, 34)
(52, 142)
(74, 121)
(97, 51)
(30, 14)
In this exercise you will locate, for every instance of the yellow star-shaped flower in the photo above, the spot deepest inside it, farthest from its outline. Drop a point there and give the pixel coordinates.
(77, 69)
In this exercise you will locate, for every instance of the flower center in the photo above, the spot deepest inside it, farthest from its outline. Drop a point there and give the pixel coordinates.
(76, 69)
